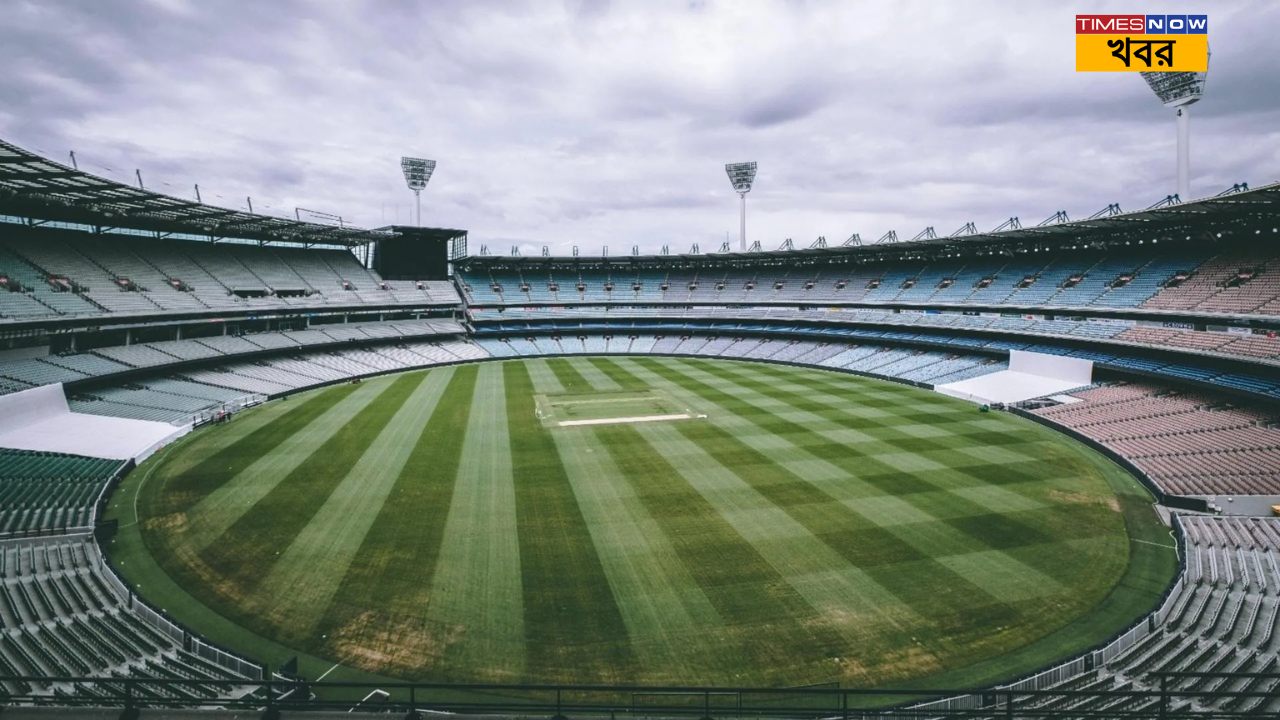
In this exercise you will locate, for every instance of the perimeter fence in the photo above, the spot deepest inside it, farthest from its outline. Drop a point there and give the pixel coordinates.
(1256, 696)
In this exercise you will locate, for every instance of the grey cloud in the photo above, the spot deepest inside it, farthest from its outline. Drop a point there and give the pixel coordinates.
(796, 102)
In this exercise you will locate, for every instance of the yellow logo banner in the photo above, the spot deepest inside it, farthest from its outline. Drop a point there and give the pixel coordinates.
(1139, 53)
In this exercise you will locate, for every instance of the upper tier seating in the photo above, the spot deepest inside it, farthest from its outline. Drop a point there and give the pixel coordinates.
(1236, 283)
(72, 274)
(1127, 279)
(1259, 346)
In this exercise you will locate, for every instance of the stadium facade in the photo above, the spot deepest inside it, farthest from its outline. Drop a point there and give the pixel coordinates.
(173, 314)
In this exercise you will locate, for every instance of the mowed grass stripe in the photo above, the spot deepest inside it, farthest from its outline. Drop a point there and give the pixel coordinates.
(841, 448)
(377, 618)
(943, 568)
(225, 449)
(845, 597)
(853, 584)
(803, 448)
(874, 392)
(770, 619)
(245, 553)
(861, 542)
(593, 376)
(780, 446)
(697, 377)
(574, 629)
(220, 509)
(928, 441)
(1035, 469)
(871, 411)
(570, 379)
(942, 417)
(475, 618)
(977, 548)
(981, 506)
(624, 378)
(905, 473)
(874, 548)
(660, 602)
(935, 423)
(302, 583)
(543, 379)
(900, 470)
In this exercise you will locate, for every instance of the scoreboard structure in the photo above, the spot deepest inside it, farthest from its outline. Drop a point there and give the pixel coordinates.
(418, 253)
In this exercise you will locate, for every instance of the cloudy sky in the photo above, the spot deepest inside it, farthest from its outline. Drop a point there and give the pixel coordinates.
(591, 123)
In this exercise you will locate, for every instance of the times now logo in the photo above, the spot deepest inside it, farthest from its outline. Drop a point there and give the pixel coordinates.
(1142, 24)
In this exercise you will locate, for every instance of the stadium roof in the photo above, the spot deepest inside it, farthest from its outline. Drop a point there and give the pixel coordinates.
(1165, 219)
(35, 187)
(413, 232)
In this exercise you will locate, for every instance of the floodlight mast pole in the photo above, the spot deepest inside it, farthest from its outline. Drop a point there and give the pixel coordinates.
(1180, 90)
(741, 175)
(1184, 152)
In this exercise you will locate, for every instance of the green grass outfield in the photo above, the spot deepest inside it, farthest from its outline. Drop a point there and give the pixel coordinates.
(815, 527)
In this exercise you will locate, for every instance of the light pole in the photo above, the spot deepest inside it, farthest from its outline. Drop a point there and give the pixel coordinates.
(1179, 90)
(742, 175)
(417, 172)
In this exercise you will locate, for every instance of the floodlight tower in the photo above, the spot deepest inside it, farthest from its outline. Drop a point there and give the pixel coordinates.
(1179, 90)
(742, 175)
(417, 172)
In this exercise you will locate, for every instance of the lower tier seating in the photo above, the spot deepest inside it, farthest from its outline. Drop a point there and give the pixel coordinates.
(1188, 443)
(1261, 347)
(916, 365)
(63, 616)
(44, 491)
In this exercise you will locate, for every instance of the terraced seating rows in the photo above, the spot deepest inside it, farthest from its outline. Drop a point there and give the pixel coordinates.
(1221, 343)
(1116, 280)
(42, 491)
(280, 375)
(920, 366)
(1224, 615)
(1189, 444)
(143, 276)
(1239, 283)
(24, 373)
(62, 617)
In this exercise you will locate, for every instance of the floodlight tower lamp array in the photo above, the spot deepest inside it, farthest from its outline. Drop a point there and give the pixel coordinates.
(417, 172)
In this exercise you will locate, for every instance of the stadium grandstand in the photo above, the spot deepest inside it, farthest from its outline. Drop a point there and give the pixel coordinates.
(154, 316)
